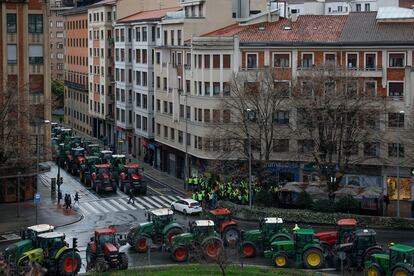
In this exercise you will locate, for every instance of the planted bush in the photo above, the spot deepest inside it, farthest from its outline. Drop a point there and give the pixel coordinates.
(304, 201)
(263, 198)
(324, 205)
(346, 204)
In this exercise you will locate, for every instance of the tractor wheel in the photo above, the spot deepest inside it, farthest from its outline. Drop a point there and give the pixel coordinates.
(374, 270)
(212, 248)
(280, 260)
(141, 245)
(101, 265)
(231, 234)
(249, 250)
(401, 271)
(172, 233)
(313, 258)
(368, 254)
(123, 261)
(67, 265)
(23, 266)
(144, 190)
(180, 254)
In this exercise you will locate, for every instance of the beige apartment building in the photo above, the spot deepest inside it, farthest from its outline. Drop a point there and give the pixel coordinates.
(57, 37)
(194, 78)
(101, 17)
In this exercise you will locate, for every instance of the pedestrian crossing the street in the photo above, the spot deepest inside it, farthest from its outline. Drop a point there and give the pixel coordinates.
(120, 204)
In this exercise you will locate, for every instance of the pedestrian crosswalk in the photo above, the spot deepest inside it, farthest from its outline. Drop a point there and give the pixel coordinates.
(113, 205)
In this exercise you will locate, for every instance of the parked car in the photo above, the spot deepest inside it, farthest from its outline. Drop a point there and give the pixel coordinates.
(186, 206)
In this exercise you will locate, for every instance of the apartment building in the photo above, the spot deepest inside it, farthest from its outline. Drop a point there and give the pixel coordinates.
(173, 66)
(76, 92)
(25, 75)
(101, 17)
(378, 46)
(124, 7)
(57, 38)
(135, 39)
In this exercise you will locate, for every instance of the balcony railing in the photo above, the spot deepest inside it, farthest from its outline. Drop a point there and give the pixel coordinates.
(76, 86)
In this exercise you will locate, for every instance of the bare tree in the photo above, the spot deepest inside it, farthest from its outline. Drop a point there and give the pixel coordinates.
(249, 110)
(337, 113)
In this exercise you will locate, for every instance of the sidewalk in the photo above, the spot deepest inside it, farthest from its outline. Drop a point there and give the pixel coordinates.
(48, 210)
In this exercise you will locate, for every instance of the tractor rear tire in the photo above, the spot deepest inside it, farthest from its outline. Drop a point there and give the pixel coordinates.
(280, 260)
(141, 244)
(123, 261)
(231, 234)
(171, 233)
(374, 269)
(101, 265)
(401, 271)
(313, 258)
(212, 248)
(249, 249)
(67, 265)
(368, 254)
(180, 254)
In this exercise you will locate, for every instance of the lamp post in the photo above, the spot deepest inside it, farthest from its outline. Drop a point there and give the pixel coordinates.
(186, 174)
(249, 111)
(43, 123)
(401, 113)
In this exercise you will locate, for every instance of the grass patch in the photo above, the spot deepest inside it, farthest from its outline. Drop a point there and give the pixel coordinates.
(203, 270)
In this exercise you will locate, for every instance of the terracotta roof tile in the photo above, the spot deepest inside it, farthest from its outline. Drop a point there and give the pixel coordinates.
(308, 28)
(148, 15)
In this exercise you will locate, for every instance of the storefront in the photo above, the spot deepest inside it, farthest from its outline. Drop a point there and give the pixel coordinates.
(8, 189)
(405, 188)
(284, 172)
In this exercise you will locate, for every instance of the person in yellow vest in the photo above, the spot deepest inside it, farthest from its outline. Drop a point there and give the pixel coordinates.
(195, 183)
(200, 198)
(195, 196)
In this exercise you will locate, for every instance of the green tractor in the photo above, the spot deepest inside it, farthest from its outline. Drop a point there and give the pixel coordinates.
(398, 262)
(53, 253)
(87, 168)
(160, 228)
(106, 156)
(304, 250)
(103, 252)
(356, 252)
(93, 150)
(28, 242)
(117, 166)
(257, 241)
(202, 239)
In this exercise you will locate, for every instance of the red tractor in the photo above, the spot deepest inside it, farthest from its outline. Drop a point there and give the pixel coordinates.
(75, 159)
(225, 225)
(103, 253)
(102, 179)
(132, 177)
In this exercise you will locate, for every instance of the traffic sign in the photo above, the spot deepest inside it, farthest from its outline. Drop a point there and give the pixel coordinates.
(37, 198)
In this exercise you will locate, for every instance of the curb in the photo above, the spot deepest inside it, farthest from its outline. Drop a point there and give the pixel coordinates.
(162, 183)
(70, 223)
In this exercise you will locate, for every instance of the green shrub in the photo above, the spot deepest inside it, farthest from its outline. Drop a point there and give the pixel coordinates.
(263, 198)
(324, 205)
(304, 200)
(346, 204)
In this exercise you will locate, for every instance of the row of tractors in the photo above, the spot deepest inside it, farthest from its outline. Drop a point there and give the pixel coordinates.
(97, 168)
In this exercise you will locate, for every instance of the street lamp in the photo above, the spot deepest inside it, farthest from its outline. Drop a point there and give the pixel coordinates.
(248, 117)
(401, 113)
(186, 176)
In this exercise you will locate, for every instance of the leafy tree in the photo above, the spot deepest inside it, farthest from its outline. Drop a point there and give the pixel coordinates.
(57, 94)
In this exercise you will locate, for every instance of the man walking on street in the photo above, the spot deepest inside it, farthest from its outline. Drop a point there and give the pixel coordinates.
(131, 196)
(76, 198)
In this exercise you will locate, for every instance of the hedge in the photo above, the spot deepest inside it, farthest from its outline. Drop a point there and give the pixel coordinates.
(243, 212)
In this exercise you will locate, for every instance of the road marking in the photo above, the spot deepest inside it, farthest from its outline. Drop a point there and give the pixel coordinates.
(158, 199)
(129, 206)
(96, 204)
(152, 201)
(147, 205)
(173, 198)
(167, 200)
(109, 205)
(152, 189)
(136, 204)
(119, 205)
(91, 208)
(83, 209)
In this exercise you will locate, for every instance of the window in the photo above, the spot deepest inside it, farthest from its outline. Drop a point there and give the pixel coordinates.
(138, 99)
(226, 116)
(307, 88)
(330, 87)
(11, 23)
(207, 115)
(35, 23)
(305, 146)
(158, 82)
(144, 56)
(395, 150)
(179, 38)
(370, 88)
(144, 78)
(138, 121)
(172, 37)
(395, 89)
(206, 61)
(36, 54)
(158, 129)
(144, 123)
(207, 88)
(216, 88)
(59, 24)
(11, 53)
(180, 137)
(172, 134)
(251, 61)
(370, 61)
(330, 59)
(367, 7)
(158, 57)
(158, 105)
(307, 60)
(165, 132)
(371, 149)
(358, 7)
(226, 61)
(144, 101)
(281, 117)
(281, 60)
(181, 111)
(281, 145)
(138, 34)
(352, 60)
(396, 119)
(144, 33)
(282, 88)
(165, 84)
(396, 60)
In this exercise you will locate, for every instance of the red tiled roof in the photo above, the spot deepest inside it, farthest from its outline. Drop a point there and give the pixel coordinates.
(148, 15)
(308, 28)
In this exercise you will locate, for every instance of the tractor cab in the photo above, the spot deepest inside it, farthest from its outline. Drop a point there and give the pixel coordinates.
(51, 242)
(92, 160)
(77, 152)
(134, 171)
(202, 228)
(33, 231)
(345, 229)
(160, 218)
(75, 141)
(399, 261)
(401, 254)
(362, 239)
(225, 225)
(104, 236)
(303, 237)
(93, 149)
(106, 156)
(102, 170)
(219, 215)
(118, 161)
(269, 226)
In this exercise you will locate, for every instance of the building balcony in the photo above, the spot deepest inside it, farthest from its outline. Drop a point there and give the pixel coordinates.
(364, 72)
(76, 86)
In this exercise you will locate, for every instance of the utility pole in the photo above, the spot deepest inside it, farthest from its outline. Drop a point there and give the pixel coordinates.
(398, 160)
(18, 193)
(186, 170)
(250, 157)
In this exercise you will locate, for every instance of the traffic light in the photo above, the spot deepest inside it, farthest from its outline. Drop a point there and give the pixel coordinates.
(75, 242)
